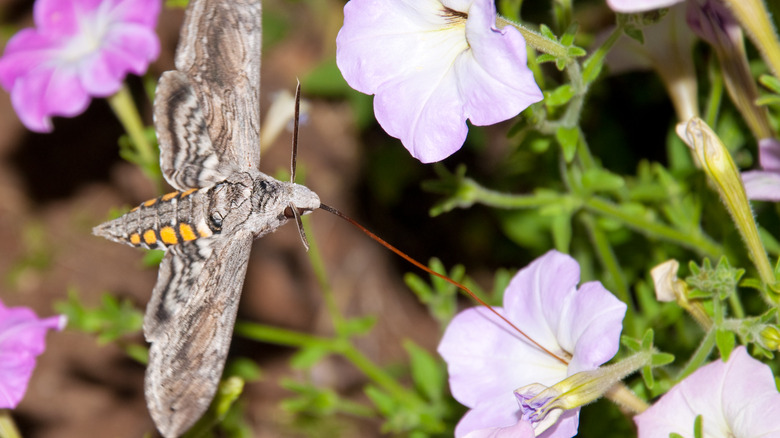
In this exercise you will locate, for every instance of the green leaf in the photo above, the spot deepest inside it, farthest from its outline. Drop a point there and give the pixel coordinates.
(428, 373)
(635, 34)
(109, 321)
(384, 403)
(562, 232)
(770, 82)
(358, 326)
(574, 52)
(325, 80)
(568, 138)
(419, 287)
(306, 357)
(545, 57)
(647, 376)
(227, 393)
(726, 341)
(698, 427)
(661, 359)
(547, 32)
(245, 368)
(559, 96)
(153, 258)
(597, 180)
(631, 343)
(647, 340)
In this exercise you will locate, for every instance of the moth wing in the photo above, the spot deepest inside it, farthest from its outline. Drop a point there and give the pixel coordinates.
(187, 156)
(189, 323)
(219, 51)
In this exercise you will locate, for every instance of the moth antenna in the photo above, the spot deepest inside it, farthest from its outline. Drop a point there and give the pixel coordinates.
(295, 133)
(300, 226)
(409, 259)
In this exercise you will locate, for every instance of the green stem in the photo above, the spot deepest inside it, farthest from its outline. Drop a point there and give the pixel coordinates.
(279, 336)
(126, 111)
(595, 61)
(535, 39)
(700, 356)
(736, 306)
(318, 265)
(493, 198)
(608, 259)
(377, 374)
(7, 426)
(716, 95)
(695, 241)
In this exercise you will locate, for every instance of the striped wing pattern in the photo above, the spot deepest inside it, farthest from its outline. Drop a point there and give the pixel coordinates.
(208, 126)
(189, 323)
(218, 63)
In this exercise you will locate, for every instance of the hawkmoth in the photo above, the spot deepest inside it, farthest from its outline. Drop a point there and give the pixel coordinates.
(206, 115)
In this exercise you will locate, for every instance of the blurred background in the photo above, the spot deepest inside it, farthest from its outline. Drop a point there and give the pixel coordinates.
(55, 187)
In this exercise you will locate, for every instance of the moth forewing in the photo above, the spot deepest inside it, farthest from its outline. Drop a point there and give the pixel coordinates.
(190, 332)
(219, 51)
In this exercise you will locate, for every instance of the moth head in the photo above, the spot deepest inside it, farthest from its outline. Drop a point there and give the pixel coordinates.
(303, 199)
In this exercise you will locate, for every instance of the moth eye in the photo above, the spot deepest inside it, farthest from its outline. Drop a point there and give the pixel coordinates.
(216, 220)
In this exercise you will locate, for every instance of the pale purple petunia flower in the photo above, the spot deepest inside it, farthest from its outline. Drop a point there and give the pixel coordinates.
(764, 185)
(22, 339)
(78, 49)
(487, 360)
(634, 6)
(432, 64)
(737, 398)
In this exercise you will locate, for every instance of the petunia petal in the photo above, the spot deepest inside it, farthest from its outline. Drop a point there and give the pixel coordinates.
(47, 92)
(142, 12)
(762, 186)
(58, 18)
(486, 357)
(25, 52)
(476, 340)
(522, 429)
(736, 398)
(16, 368)
(426, 115)
(769, 154)
(432, 65)
(81, 48)
(535, 295)
(493, 76)
(751, 403)
(374, 44)
(633, 6)
(594, 327)
(22, 338)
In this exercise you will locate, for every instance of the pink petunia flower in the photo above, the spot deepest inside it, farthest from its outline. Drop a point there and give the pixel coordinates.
(78, 49)
(432, 64)
(737, 398)
(764, 185)
(488, 360)
(22, 339)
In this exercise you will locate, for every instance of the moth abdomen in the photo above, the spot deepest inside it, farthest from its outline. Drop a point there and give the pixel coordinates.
(170, 219)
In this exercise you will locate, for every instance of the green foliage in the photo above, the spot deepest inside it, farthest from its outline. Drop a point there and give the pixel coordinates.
(110, 321)
(440, 296)
(621, 193)
(214, 419)
(708, 282)
(36, 255)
